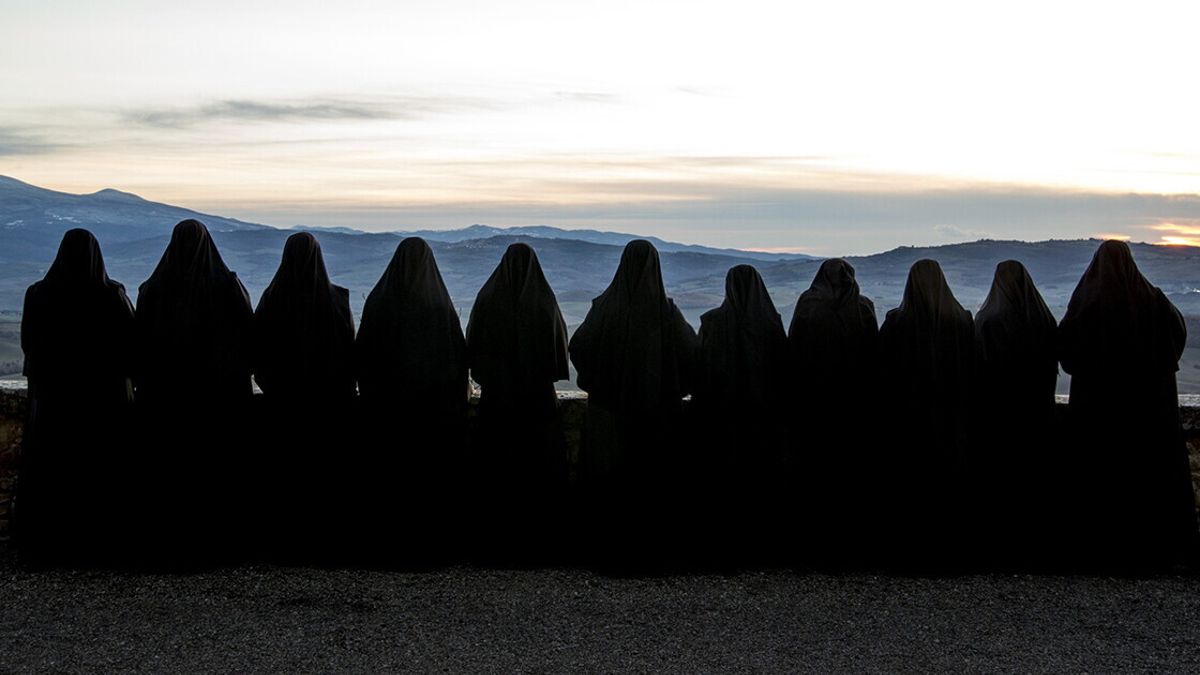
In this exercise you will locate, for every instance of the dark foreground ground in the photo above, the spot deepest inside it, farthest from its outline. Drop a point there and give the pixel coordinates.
(260, 618)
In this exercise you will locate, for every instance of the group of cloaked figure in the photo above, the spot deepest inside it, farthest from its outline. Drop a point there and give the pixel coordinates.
(932, 440)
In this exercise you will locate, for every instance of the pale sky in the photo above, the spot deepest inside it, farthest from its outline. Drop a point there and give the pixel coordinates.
(844, 127)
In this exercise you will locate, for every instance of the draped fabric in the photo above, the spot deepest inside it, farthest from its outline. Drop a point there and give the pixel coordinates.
(193, 372)
(927, 354)
(633, 349)
(1017, 459)
(1121, 340)
(303, 329)
(77, 336)
(516, 336)
(517, 349)
(833, 343)
(411, 363)
(634, 354)
(193, 324)
(303, 360)
(740, 384)
(410, 347)
(741, 346)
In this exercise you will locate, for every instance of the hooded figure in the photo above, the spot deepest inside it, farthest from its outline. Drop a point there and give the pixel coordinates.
(77, 335)
(833, 340)
(410, 357)
(517, 349)
(193, 385)
(303, 359)
(1121, 340)
(927, 354)
(633, 354)
(1014, 450)
(740, 385)
(303, 330)
(193, 326)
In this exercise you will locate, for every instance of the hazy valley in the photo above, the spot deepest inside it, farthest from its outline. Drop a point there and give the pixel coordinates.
(579, 264)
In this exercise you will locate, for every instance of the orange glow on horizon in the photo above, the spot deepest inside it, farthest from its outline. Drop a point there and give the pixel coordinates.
(1182, 235)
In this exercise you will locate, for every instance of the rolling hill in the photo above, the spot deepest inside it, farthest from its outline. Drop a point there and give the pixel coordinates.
(133, 233)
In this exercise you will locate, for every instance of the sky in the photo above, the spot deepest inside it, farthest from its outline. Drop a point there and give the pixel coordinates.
(828, 128)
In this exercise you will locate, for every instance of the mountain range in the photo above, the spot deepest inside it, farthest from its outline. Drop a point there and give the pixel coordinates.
(579, 263)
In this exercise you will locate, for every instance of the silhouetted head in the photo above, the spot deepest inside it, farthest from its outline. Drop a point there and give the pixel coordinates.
(518, 264)
(927, 290)
(78, 261)
(191, 257)
(1113, 265)
(188, 235)
(744, 288)
(639, 274)
(835, 279)
(1011, 285)
(412, 275)
(408, 263)
(302, 265)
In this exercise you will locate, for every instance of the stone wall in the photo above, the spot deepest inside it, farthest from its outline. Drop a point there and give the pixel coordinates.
(14, 407)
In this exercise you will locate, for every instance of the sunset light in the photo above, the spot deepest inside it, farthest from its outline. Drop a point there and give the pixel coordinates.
(846, 127)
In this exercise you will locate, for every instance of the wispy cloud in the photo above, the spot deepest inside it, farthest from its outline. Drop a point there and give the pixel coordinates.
(309, 109)
(956, 232)
(1183, 232)
(14, 142)
(586, 96)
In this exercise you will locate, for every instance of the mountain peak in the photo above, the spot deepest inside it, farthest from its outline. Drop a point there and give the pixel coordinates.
(111, 193)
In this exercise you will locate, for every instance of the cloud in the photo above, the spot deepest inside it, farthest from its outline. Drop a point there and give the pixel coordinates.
(310, 109)
(1181, 232)
(956, 232)
(824, 221)
(15, 143)
(586, 96)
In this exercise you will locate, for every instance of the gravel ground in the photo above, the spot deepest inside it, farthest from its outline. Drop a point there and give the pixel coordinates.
(265, 618)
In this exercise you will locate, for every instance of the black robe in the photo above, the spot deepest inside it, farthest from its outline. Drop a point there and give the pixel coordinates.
(193, 387)
(411, 362)
(517, 349)
(1015, 458)
(303, 358)
(77, 335)
(927, 347)
(634, 354)
(739, 390)
(833, 343)
(1121, 340)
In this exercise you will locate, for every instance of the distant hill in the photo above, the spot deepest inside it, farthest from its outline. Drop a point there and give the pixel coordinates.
(590, 236)
(578, 263)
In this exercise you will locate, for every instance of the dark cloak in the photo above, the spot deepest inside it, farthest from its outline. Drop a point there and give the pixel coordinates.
(1121, 340)
(77, 335)
(1016, 458)
(303, 360)
(303, 329)
(634, 354)
(410, 348)
(411, 362)
(193, 386)
(833, 340)
(634, 349)
(740, 385)
(193, 325)
(927, 349)
(517, 349)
